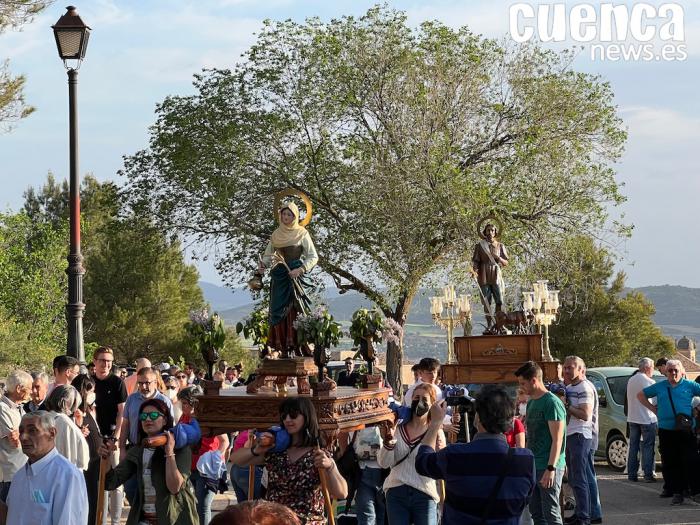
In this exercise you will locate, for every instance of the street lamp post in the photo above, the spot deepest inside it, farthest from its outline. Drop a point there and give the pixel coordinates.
(71, 39)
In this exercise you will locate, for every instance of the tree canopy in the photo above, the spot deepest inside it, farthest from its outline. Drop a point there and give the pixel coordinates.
(13, 15)
(600, 321)
(404, 138)
(137, 287)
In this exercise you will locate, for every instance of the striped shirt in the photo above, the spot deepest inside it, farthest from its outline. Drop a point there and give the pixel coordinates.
(470, 471)
(401, 458)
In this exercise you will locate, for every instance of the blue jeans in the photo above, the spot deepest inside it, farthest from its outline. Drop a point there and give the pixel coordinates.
(239, 480)
(369, 498)
(578, 449)
(405, 505)
(544, 505)
(204, 497)
(596, 510)
(647, 434)
(4, 489)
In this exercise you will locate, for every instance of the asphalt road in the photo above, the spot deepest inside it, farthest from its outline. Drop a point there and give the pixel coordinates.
(628, 503)
(623, 502)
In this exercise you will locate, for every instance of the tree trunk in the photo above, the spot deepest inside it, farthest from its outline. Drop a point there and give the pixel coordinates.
(394, 360)
(394, 352)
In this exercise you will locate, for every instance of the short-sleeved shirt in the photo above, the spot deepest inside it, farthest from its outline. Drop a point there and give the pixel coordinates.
(582, 393)
(636, 412)
(682, 395)
(11, 458)
(539, 439)
(109, 394)
(518, 428)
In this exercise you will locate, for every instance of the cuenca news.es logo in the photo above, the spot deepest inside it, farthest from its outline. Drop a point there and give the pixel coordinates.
(640, 31)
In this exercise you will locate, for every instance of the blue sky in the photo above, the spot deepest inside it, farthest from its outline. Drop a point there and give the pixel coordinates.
(140, 52)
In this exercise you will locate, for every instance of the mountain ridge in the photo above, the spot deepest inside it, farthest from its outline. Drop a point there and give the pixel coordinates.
(677, 312)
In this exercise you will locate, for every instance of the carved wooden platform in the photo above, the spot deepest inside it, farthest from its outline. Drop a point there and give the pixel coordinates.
(495, 358)
(345, 408)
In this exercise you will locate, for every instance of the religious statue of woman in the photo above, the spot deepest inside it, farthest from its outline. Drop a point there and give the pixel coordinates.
(290, 254)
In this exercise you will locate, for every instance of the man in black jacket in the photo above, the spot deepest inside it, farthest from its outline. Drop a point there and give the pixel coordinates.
(348, 377)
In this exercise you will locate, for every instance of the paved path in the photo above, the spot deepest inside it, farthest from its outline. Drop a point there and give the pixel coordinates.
(628, 503)
(624, 502)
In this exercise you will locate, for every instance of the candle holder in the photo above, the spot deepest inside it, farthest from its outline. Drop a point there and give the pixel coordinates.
(544, 307)
(448, 311)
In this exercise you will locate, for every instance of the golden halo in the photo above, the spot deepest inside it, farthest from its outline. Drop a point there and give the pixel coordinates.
(489, 218)
(303, 196)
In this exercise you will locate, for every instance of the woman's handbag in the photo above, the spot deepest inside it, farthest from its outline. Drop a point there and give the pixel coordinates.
(684, 422)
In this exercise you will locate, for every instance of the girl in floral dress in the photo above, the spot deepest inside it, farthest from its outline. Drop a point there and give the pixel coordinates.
(293, 475)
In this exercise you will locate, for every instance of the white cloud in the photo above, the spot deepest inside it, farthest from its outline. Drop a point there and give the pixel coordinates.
(661, 126)
(486, 18)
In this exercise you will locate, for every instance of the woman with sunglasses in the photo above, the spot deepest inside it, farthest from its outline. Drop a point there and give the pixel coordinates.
(293, 474)
(165, 496)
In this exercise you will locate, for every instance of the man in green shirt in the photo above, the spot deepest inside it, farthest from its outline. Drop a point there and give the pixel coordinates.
(545, 419)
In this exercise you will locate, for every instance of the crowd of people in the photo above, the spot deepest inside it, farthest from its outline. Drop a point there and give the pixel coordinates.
(56, 433)
(138, 438)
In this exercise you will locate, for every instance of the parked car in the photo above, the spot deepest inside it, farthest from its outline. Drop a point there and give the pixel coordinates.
(611, 384)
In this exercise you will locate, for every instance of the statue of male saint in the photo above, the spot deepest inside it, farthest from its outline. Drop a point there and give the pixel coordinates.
(488, 259)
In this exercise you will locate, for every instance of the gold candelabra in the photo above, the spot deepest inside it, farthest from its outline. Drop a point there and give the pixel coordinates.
(544, 305)
(448, 311)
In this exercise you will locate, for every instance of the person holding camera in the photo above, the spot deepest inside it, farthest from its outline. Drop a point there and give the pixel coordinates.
(165, 497)
(411, 497)
(485, 480)
(679, 455)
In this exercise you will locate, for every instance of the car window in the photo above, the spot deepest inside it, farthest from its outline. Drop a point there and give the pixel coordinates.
(598, 384)
(618, 388)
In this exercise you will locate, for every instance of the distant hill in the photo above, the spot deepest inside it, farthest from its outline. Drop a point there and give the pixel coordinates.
(677, 309)
(677, 314)
(222, 298)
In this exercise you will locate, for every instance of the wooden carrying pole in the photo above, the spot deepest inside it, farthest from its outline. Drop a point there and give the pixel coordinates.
(326, 495)
(251, 482)
(104, 466)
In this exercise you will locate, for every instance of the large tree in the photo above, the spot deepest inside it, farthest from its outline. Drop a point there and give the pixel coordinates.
(599, 321)
(137, 288)
(404, 138)
(32, 278)
(32, 293)
(13, 15)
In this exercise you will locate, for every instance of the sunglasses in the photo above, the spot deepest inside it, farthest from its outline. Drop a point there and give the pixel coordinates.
(153, 415)
(181, 376)
(171, 387)
(291, 413)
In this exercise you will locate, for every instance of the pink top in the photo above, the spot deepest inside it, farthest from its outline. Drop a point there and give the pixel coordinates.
(240, 440)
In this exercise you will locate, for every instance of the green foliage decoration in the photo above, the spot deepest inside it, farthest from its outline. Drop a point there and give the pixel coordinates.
(318, 328)
(256, 327)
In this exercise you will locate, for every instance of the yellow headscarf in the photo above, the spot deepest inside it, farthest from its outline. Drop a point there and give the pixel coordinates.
(288, 235)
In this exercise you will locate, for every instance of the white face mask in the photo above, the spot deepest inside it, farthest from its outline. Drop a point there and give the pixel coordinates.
(172, 394)
(521, 408)
(90, 398)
